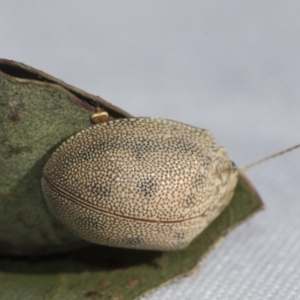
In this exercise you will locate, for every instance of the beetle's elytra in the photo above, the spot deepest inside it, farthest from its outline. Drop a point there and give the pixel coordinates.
(143, 183)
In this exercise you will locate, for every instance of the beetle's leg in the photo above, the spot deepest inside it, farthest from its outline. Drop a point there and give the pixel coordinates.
(99, 116)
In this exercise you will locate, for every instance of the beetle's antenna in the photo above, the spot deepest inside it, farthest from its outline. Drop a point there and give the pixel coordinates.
(245, 168)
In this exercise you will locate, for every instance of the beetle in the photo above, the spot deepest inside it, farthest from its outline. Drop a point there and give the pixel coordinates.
(141, 183)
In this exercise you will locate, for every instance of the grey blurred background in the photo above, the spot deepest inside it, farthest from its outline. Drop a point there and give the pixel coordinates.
(229, 66)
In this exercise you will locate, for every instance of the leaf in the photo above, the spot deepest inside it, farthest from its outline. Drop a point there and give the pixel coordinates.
(99, 272)
(37, 112)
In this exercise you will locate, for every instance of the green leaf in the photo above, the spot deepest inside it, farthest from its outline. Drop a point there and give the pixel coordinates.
(38, 112)
(99, 272)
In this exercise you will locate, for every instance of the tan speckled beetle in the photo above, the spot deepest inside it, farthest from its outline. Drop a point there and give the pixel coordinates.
(142, 183)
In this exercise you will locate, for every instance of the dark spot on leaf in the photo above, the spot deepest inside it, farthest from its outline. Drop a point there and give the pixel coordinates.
(15, 117)
(117, 297)
(132, 283)
(91, 294)
(3, 196)
(104, 283)
(15, 150)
